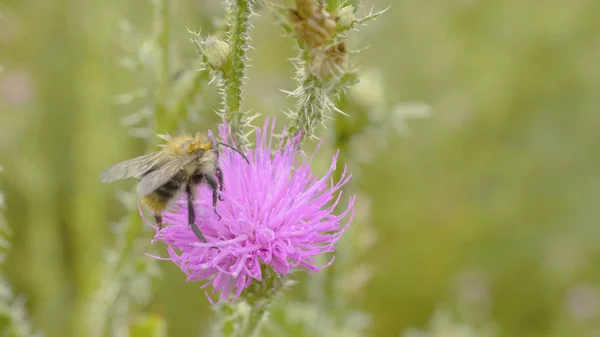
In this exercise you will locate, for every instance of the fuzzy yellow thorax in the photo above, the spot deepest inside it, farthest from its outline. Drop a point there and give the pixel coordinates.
(200, 142)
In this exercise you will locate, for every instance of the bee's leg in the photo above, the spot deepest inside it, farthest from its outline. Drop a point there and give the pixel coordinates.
(158, 219)
(214, 185)
(192, 213)
(220, 178)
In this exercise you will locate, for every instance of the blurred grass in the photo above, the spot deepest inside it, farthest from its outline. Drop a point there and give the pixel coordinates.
(503, 179)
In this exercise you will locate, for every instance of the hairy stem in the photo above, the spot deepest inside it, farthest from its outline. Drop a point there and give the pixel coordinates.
(242, 319)
(239, 24)
(246, 318)
(309, 112)
(310, 103)
(255, 320)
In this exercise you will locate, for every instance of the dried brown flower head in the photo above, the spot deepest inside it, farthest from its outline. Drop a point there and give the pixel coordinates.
(329, 60)
(314, 26)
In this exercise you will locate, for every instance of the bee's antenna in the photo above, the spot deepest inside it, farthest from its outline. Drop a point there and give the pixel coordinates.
(236, 150)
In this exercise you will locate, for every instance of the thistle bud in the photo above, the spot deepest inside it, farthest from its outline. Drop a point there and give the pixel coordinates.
(346, 16)
(215, 50)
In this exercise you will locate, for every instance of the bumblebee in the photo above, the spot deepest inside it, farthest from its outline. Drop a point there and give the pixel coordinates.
(183, 163)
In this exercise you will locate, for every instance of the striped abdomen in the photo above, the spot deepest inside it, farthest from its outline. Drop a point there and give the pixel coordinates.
(158, 200)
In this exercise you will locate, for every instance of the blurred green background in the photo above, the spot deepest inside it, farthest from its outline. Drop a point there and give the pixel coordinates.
(489, 207)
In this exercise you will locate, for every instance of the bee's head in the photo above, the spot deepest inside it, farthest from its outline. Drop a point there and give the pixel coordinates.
(198, 144)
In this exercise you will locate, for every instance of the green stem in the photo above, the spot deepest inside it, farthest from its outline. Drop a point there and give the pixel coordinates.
(234, 72)
(241, 319)
(303, 114)
(310, 104)
(246, 317)
(255, 318)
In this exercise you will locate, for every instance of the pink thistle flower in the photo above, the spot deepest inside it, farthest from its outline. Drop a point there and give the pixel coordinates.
(273, 213)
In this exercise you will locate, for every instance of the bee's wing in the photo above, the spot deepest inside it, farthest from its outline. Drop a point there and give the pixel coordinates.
(155, 179)
(134, 167)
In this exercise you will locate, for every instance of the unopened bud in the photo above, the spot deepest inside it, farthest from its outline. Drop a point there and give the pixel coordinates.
(346, 16)
(215, 50)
